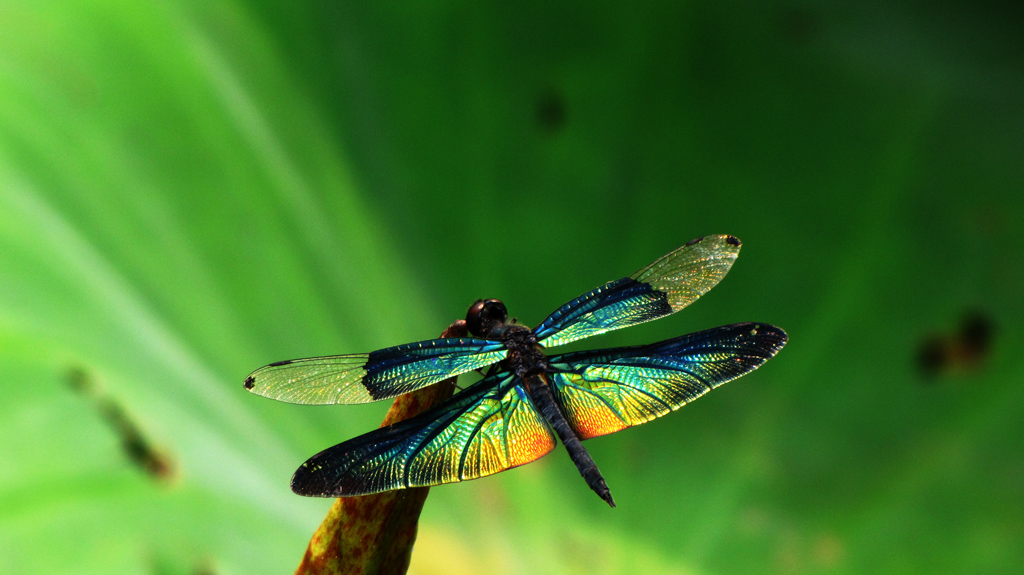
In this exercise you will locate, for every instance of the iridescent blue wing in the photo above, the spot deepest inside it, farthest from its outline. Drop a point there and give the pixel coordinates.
(604, 391)
(664, 287)
(490, 427)
(365, 377)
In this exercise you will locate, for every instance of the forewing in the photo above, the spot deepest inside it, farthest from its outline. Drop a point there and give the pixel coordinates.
(604, 391)
(365, 377)
(664, 287)
(490, 427)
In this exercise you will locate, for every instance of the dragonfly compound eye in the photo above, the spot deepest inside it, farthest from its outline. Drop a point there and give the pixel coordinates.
(484, 315)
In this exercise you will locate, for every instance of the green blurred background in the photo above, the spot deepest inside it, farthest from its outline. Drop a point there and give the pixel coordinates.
(190, 190)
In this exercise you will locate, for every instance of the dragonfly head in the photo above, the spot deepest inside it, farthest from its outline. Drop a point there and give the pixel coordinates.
(484, 316)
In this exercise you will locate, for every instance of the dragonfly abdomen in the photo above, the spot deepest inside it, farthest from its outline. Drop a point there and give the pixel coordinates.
(540, 391)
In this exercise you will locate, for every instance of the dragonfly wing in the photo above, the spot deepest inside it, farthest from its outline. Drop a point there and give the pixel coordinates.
(365, 377)
(664, 287)
(604, 391)
(490, 427)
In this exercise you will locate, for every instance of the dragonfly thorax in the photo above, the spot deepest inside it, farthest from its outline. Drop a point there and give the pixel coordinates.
(488, 318)
(525, 356)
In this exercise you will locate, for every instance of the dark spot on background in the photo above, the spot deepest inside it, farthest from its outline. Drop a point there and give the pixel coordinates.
(960, 351)
(931, 355)
(135, 445)
(976, 331)
(79, 380)
(551, 111)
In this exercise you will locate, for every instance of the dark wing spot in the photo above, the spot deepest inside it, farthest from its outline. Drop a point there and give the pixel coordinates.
(732, 241)
(250, 382)
(381, 392)
(278, 363)
(693, 241)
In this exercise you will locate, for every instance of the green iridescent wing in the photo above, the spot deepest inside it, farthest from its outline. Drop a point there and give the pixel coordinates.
(490, 427)
(664, 287)
(604, 391)
(365, 377)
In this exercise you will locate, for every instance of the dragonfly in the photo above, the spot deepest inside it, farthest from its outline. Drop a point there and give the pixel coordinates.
(527, 396)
